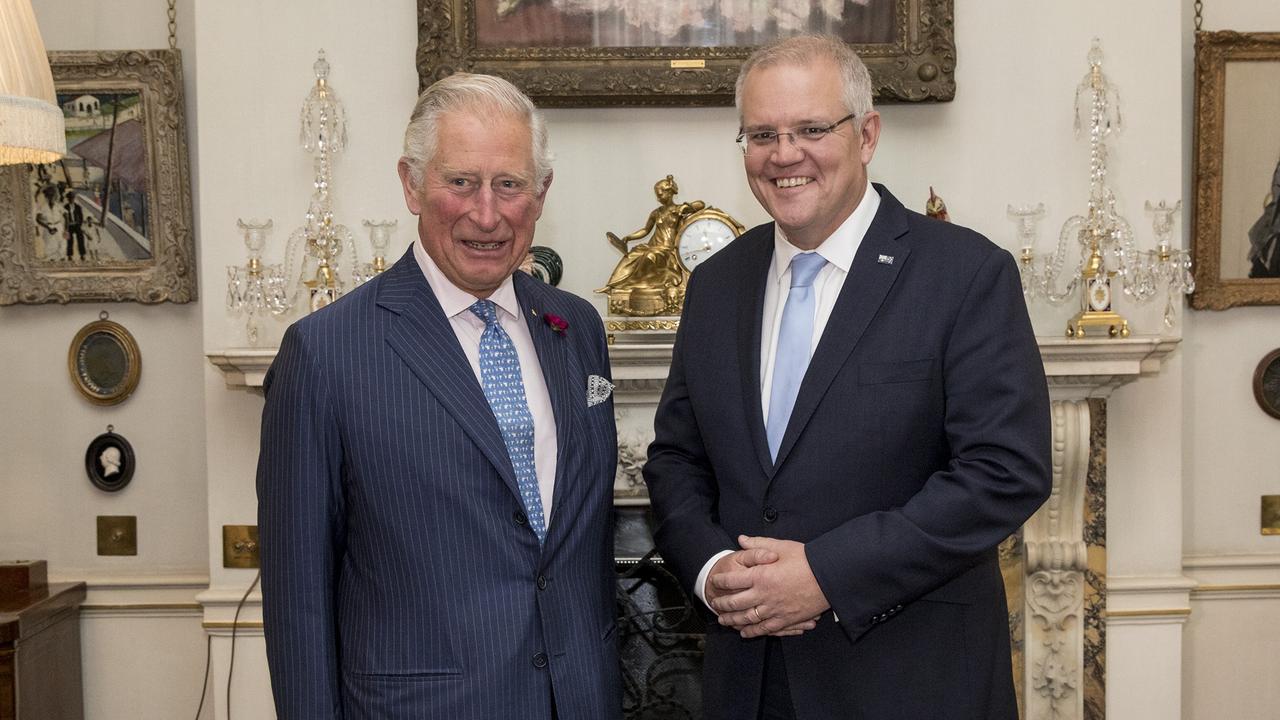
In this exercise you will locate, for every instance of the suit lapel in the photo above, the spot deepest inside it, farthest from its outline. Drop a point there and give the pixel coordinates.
(425, 341)
(864, 291)
(750, 316)
(558, 368)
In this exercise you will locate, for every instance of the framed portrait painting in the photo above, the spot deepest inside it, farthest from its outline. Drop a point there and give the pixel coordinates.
(112, 219)
(109, 461)
(1237, 170)
(596, 53)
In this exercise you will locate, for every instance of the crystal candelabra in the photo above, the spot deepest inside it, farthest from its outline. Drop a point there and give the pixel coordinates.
(379, 239)
(1106, 241)
(318, 249)
(255, 288)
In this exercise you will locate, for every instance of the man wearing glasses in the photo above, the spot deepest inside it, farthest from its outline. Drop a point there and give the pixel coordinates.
(856, 416)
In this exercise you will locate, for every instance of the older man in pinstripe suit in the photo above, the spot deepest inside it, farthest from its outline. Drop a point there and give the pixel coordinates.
(438, 450)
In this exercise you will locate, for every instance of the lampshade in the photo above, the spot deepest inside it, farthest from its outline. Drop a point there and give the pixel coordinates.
(31, 125)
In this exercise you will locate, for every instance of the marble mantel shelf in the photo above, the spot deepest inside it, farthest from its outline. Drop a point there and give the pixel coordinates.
(1089, 367)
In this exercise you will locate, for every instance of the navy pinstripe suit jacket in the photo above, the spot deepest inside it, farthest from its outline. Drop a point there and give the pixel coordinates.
(400, 578)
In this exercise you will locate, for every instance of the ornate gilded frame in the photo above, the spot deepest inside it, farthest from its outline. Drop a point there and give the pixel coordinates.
(110, 385)
(918, 65)
(1266, 389)
(169, 275)
(1214, 50)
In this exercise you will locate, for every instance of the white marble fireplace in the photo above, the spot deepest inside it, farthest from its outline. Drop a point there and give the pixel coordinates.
(1060, 567)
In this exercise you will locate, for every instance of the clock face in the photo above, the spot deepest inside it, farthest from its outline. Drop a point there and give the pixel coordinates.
(702, 238)
(1099, 295)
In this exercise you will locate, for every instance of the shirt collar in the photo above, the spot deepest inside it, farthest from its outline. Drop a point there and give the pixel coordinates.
(454, 300)
(840, 247)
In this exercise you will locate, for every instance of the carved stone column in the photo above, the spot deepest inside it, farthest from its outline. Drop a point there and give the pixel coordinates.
(1056, 560)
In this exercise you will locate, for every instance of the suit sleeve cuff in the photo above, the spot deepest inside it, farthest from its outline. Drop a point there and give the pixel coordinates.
(700, 585)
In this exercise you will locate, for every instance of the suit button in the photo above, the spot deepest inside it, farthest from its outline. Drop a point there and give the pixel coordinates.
(519, 518)
(542, 582)
(539, 660)
(770, 514)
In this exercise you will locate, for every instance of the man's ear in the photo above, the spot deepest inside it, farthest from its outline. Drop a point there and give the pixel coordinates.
(541, 196)
(411, 198)
(869, 137)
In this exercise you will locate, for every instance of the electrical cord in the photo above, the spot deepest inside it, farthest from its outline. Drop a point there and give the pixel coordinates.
(235, 623)
(208, 652)
(208, 660)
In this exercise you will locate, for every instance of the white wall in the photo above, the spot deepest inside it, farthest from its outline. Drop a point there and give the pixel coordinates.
(1233, 640)
(136, 663)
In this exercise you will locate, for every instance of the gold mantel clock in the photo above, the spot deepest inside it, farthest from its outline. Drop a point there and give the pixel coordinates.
(1095, 298)
(649, 281)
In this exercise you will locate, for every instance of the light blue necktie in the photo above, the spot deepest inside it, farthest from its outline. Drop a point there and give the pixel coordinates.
(504, 389)
(795, 340)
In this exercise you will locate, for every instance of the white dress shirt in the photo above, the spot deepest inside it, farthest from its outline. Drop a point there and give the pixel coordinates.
(838, 249)
(456, 304)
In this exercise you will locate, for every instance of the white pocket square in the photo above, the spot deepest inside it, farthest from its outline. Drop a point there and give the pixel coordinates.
(598, 390)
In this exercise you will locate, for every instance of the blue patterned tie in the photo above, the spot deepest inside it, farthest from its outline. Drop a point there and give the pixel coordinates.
(795, 340)
(504, 389)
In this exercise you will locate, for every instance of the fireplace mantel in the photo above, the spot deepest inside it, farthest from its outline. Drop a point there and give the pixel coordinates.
(1058, 601)
(1076, 368)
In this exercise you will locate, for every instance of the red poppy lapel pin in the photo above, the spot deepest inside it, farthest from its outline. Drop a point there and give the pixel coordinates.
(556, 323)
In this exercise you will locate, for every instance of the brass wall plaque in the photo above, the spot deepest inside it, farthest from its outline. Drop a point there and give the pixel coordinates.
(1271, 514)
(117, 535)
(239, 546)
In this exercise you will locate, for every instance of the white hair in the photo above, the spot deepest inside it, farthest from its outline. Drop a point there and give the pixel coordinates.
(485, 96)
(803, 50)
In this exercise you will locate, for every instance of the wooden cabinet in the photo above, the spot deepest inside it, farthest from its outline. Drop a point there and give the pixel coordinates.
(40, 652)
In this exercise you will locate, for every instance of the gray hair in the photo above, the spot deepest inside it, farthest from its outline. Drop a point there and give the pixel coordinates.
(803, 50)
(485, 96)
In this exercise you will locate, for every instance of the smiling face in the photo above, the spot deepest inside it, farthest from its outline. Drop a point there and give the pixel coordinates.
(478, 204)
(808, 188)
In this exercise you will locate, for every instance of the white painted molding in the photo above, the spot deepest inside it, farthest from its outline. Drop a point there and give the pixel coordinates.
(141, 610)
(223, 630)
(243, 367)
(1092, 365)
(119, 595)
(1234, 577)
(1252, 566)
(1148, 600)
(220, 605)
(98, 581)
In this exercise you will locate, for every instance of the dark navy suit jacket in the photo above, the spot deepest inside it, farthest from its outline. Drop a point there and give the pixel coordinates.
(400, 577)
(919, 440)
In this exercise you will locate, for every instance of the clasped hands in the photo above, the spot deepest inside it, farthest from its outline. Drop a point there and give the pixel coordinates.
(766, 588)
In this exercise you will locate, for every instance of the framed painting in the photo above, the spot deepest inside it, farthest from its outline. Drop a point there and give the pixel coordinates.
(1236, 242)
(598, 53)
(112, 219)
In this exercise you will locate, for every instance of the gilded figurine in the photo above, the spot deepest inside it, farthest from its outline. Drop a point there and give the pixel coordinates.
(650, 279)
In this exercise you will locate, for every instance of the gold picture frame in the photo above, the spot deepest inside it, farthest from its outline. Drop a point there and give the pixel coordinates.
(111, 221)
(1266, 384)
(1237, 165)
(104, 362)
(563, 55)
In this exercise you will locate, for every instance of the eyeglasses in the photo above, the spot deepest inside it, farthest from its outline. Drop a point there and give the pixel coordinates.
(805, 135)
